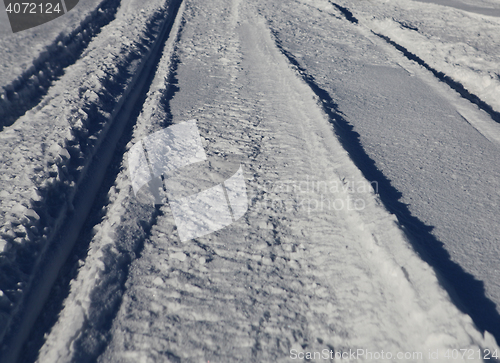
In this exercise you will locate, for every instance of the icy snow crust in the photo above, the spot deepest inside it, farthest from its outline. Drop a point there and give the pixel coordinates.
(281, 278)
(47, 153)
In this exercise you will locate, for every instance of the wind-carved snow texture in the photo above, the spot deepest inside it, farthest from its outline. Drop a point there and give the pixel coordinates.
(308, 267)
(40, 185)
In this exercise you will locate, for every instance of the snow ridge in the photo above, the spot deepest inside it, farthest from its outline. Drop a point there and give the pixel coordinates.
(97, 290)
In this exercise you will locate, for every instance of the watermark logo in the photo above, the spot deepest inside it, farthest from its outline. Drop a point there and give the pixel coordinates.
(173, 148)
(316, 196)
(29, 14)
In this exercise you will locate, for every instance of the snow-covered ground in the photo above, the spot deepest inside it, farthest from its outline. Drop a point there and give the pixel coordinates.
(460, 44)
(373, 186)
(48, 171)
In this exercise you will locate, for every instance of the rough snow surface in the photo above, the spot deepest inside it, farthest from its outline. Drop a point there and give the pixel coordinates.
(437, 149)
(30, 61)
(47, 152)
(318, 263)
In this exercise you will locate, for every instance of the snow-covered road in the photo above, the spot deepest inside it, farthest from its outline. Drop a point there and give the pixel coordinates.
(327, 261)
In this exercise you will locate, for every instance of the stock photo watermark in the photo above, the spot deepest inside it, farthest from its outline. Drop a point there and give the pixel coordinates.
(24, 15)
(200, 211)
(372, 355)
(309, 195)
(174, 148)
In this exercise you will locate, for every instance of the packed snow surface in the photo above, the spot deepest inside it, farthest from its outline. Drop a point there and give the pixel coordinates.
(373, 186)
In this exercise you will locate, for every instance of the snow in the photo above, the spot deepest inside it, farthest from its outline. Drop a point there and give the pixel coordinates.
(485, 7)
(372, 186)
(292, 275)
(460, 44)
(414, 142)
(45, 159)
(111, 242)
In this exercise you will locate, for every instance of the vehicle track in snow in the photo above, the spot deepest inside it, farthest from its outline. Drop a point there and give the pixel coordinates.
(109, 116)
(27, 91)
(101, 261)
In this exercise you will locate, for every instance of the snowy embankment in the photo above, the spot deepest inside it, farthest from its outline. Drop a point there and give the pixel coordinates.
(457, 44)
(48, 154)
(33, 59)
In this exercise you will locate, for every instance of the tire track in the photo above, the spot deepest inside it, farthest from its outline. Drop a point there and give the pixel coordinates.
(79, 330)
(57, 248)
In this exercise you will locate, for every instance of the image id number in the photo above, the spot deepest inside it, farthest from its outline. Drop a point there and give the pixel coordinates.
(33, 8)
